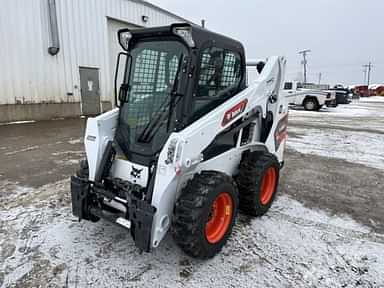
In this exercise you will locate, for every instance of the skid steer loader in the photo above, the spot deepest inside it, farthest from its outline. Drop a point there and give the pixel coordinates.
(190, 142)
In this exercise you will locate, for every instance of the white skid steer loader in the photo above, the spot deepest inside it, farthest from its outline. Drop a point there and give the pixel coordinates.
(189, 144)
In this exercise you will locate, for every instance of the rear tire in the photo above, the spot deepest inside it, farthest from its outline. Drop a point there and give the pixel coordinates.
(257, 180)
(205, 214)
(311, 104)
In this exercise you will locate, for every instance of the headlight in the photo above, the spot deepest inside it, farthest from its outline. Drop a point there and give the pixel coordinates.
(186, 34)
(124, 37)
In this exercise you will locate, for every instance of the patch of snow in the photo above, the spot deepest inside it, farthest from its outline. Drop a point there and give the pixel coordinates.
(293, 208)
(18, 122)
(67, 162)
(352, 146)
(29, 148)
(372, 99)
(75, 141)
(68, 152)
(11, 188)
(355, 110)
(349, 110)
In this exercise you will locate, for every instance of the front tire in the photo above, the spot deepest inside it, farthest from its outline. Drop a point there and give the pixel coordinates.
(205, 214)
(311, 104)
(257, 180)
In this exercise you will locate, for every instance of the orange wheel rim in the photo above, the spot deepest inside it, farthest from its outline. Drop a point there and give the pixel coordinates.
(220, 218)
(268, 185)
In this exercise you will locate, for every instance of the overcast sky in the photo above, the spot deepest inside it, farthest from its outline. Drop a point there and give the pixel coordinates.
(342, 34)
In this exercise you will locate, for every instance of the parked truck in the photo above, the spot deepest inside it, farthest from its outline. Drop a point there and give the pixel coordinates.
(310, 99)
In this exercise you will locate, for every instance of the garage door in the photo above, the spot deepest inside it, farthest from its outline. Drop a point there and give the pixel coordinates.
(115, 48)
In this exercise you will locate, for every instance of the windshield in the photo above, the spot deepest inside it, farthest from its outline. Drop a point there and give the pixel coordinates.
(152, 76)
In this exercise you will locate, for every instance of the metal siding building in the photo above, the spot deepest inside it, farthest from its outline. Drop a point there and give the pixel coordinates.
(37, 85)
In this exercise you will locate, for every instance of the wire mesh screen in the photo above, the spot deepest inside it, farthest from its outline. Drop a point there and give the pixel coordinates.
(219, 70)
(152, 76)
(230, 74)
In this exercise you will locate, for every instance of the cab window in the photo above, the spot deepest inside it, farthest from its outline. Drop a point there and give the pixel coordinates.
(219, 78)
(288, 86)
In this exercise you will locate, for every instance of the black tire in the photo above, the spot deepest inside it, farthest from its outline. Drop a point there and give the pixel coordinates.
(252, 170)
(83, 173)
(193, 211)
(311, 104)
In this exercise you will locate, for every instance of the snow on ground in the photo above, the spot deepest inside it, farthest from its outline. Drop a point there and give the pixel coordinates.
(75, 141)
(291, 246)
(372, 99)
(353, 110)
(28, 148)
(43, 245)
(353, 132)
(356, 147)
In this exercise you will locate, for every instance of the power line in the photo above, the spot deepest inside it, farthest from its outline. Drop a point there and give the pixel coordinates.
(304, 53)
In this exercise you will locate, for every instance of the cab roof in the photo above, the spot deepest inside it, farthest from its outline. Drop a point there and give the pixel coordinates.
(200, 35)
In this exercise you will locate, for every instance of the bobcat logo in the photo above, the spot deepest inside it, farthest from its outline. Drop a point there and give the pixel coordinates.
(136, 173)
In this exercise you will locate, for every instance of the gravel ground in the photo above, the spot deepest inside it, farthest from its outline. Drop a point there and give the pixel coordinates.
(324, 230)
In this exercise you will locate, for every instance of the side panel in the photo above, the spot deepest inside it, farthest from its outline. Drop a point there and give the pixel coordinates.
(277, 137)
(99, 131)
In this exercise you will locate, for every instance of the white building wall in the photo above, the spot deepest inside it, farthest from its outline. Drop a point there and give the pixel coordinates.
(29, 74)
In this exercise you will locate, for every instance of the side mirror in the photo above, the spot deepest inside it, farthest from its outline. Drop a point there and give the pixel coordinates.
(120, 75)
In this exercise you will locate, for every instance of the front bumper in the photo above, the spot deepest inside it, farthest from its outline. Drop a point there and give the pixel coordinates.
(91, 201)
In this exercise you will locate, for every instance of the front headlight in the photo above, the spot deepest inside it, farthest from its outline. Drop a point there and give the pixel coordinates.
(124, 38)
(186, 34)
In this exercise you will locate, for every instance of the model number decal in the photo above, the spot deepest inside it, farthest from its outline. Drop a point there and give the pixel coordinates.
(234, 112)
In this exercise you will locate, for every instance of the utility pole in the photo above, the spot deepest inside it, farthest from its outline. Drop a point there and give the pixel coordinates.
(367, 72)
(304, 53)
(319, 78)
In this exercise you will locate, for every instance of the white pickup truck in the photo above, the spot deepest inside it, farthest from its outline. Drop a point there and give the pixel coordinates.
(310, 99)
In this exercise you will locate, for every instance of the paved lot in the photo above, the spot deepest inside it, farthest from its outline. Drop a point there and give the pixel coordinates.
(326, 228)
